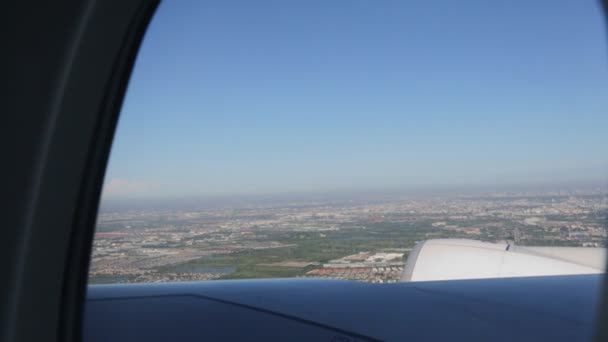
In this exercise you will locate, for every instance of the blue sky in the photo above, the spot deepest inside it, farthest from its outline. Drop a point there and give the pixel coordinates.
(246, 97)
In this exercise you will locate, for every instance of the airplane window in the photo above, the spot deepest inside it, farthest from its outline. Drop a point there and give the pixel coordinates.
(374, 141)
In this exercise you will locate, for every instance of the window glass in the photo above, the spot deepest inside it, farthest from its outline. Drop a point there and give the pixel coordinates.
(378, 141)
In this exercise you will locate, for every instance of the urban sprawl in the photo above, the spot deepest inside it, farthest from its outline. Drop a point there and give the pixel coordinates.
(342, 239)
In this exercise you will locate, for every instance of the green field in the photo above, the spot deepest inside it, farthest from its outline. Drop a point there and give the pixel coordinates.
(313, 247)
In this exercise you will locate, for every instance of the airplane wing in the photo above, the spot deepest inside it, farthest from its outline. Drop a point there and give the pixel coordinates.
(555, 308)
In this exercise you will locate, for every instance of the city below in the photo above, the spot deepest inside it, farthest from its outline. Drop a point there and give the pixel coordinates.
(345, 239)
